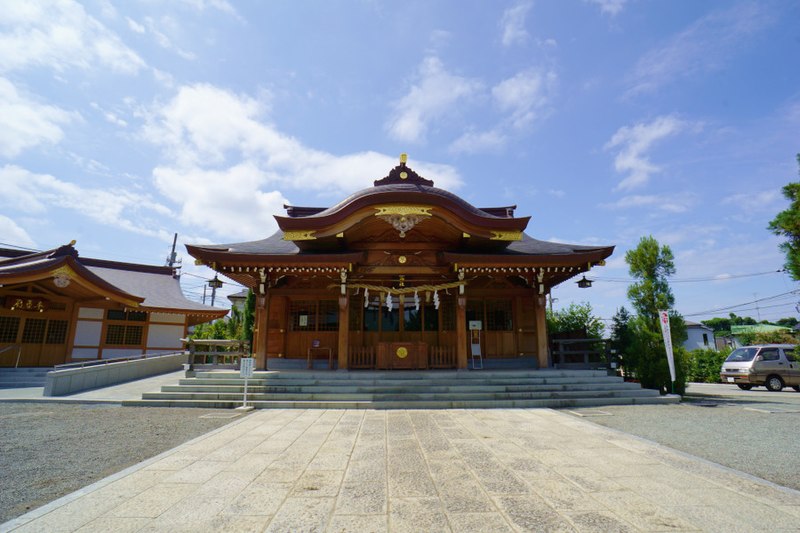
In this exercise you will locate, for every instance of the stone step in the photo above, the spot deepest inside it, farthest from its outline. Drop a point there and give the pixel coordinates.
(383, 397)
(553, 403)
(299, 382)
(405, 374)
(201, 386)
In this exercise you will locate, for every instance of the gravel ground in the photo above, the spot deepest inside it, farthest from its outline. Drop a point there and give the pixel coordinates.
(49, 450)
(745, 436)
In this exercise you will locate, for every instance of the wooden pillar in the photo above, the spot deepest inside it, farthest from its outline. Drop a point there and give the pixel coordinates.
(461, 333)
(260, 329)
(344, 331)
(542, 346)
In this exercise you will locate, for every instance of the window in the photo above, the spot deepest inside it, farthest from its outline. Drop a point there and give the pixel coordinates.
(705, 339)
(9, 325)
(412, 319)
(356, 308)
(431, 317)
(769, 354)
(124, 335)
(303, 315)
(33, 332)
(328, 315)
(789, 352)
(499, 316)
(372, 314)
(56, 332)
(447, 310)
(390, 319)
(120, 314)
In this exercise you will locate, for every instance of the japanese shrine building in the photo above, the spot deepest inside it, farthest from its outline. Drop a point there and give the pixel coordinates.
(397, 276)
(57, 307)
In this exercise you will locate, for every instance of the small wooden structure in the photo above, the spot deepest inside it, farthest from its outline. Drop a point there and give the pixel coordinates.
(405, 265)
(214, 354)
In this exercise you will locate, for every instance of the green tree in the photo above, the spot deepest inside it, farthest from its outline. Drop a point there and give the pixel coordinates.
(622, 339)
(651, 265)
(788, 322)
(576, 318)
(787, 224)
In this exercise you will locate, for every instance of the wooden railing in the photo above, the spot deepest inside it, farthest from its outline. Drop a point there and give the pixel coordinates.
(361, 357)
(441, 357)
(581, 353)
(217, 353)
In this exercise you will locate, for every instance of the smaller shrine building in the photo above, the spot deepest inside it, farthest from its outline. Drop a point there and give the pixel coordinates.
(401, 275)
(57, 307)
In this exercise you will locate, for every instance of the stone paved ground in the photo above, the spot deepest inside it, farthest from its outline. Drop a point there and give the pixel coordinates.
(453, 470)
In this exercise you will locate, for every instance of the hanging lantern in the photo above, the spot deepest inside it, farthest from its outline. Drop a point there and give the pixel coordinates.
(584, 283)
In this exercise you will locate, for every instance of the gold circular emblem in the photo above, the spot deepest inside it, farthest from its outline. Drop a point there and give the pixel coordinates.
(403, 175)
(402, 352)
(401, 260)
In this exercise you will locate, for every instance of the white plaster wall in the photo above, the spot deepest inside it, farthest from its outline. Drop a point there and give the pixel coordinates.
(162, 336)
(695, 339)
(88, 333)
(167, 317)
(120, 352)
(90, 312)
(84, 353)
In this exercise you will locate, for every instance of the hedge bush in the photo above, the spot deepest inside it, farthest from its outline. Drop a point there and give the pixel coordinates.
(703, 366)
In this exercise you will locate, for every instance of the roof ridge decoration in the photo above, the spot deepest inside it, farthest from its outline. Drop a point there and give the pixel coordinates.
(403, 218)
(403, 174)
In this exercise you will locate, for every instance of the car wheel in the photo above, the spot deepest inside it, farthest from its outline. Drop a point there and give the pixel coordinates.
(744, 386)
(796, 387)
(774, 383)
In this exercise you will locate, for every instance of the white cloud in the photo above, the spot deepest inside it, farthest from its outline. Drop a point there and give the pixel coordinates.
(764, 200)
(513, 24)
(223, 158)
(14, 234)
(60, 35)
(435, 94)
(135, 26)
(120, 207)
(676, 203)
(706, 45)
(633, 142)
(472, 142)
(525, 96)
(609, 7)
(27, 123)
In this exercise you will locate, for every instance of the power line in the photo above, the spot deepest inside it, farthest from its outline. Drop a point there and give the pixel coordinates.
(733, 307)
(19, 247)
(688, 280)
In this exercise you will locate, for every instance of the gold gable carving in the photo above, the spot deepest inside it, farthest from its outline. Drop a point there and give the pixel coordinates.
(506, 235)
(302, 235)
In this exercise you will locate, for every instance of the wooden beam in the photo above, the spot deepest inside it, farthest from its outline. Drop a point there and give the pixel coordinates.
(344, 331)
(461, 333)
(541, 331)
(260, 333)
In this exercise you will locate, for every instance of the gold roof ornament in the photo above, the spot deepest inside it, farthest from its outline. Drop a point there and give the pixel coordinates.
(403, 158)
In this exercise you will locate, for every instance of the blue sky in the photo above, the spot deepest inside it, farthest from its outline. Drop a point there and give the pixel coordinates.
(605, 120)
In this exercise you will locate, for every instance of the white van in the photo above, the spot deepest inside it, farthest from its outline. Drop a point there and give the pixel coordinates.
(771, 365)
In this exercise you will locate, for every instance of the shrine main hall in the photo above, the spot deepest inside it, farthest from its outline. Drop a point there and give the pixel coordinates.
(401, 275)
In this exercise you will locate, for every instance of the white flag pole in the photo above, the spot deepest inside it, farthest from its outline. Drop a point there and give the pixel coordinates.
(663, 319)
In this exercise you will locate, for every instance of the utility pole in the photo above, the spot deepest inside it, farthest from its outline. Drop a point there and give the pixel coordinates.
(204, 293)
(758, 311)
(171, 257)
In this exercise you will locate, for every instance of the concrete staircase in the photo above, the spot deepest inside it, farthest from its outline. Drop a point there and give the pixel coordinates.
(404, 390)
(16, 378)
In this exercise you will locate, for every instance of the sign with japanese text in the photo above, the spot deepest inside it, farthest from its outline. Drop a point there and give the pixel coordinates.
(663, 319)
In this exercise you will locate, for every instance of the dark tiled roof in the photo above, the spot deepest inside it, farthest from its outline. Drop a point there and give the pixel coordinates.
(530, 246)
(158, 290)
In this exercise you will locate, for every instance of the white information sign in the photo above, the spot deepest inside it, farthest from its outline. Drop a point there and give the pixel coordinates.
(663, 318)
(246, 367)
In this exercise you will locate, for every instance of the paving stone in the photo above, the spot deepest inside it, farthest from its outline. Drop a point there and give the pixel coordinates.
(362, 498)
(417, 514)
(599, 522)
(565, 496)
(406, 484)
(302, 514)
(358, 523)
(484, 522)
(531, 513)
(259, 499)
(110, 524)
(641, 512)
(155, 500)
(318, 484)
